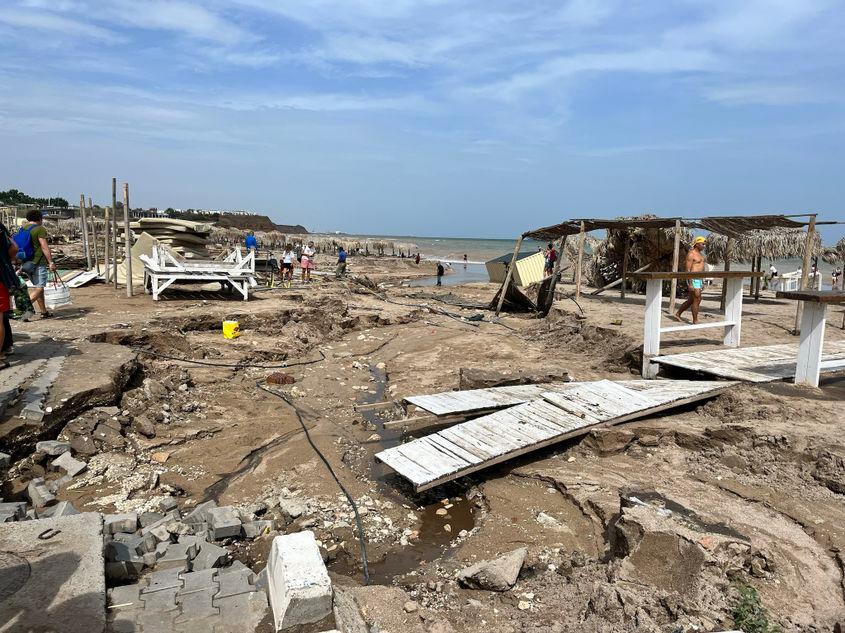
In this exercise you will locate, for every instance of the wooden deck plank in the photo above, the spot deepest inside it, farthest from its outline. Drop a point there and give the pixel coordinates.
(505, 434)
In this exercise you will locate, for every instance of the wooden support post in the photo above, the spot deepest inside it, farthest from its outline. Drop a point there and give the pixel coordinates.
(729, 250)
(107, 245)
(757, 281)
(509, 275)
(127, 242)
(676, 254)
(113, 229)
(805, 268)
(733, 311)
(810, 347)
(555, 274)
(93, 219)
(84, 225)
(626, 251)
(579, 269)
(651, 327)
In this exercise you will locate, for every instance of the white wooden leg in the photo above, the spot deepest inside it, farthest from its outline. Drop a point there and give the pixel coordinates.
(651, 328)
(733, 311)
(810, 346)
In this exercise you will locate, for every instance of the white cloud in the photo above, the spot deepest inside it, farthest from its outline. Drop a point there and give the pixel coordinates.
(56, 24)
(772, 93)
(183, 17)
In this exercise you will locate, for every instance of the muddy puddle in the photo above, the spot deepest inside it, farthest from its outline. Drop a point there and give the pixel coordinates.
(442, 517)
(689, 517)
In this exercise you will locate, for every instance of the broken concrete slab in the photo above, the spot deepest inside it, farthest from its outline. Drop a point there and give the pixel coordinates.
(200, 513)
(223, 522)
(12, 511)
(254, 529)
(292, 508)
(347, 613)
(53, 448)
(114, 523)
(54, 582)
(499, 574)
(61, 509)
(39, 494)
(67, 463)
(209, 556)
(300, 588)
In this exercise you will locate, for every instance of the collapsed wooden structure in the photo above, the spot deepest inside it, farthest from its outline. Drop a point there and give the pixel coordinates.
(165, 268)
(513, 421)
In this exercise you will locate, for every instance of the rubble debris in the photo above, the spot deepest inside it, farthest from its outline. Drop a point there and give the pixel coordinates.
(39, 495)
(292, 509)
(5, 460)
(114, 523)
(280, 378)
(61, 509)
(53, 448)
(299, 586)
(223, 522)
(12, 511)
(499, 574)
(347, 613)
(209, 556)
(67, 463)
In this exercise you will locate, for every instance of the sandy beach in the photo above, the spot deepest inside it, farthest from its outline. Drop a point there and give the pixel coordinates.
(754, 476)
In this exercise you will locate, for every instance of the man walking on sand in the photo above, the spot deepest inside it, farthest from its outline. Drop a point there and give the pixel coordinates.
(41, 264)
(694, 264)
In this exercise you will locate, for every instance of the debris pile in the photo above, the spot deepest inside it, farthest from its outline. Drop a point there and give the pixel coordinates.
(189, 239)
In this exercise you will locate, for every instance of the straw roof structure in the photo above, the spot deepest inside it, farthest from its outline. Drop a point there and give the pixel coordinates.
(776, 243)
(835, 254)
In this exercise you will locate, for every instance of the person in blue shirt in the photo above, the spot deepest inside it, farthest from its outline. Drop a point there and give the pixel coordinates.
(250, 242)
(341, 262)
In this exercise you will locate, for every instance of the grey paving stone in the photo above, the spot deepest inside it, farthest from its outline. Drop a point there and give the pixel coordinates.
(69, 464)
(53, 448)
(162, 579)
(148, 518)
(61, 509)
(204, 579)
(210, 555)
(155, 621)
(199, 514)
(39, 495)
(199, 625)
(197, 603)
(161, 601)
(242, 612)
(123, 622)
(224, 522)
(125, 598)
(114, 523)
(234, 583)
(5, 460)
(254, 529)
(12, 511)
(120, 571)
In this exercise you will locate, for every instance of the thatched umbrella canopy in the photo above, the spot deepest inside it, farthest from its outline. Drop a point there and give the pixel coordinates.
(835, 254)
(776, 243)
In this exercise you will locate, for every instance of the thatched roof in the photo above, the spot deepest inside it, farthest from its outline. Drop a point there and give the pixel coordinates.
(835, 254)
(775, 243)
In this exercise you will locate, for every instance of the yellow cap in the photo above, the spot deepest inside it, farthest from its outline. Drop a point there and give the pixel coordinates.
(699, 240)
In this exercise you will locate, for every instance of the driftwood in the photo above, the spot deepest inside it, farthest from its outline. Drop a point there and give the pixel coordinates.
(514, 300)
(472, 378)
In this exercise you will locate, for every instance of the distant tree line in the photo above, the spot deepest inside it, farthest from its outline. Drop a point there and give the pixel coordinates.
(13, 196)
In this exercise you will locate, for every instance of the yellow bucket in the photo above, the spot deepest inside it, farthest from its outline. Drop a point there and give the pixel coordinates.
(231, 329)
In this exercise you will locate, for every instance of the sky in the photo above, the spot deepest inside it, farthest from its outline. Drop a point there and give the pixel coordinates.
(478, 118)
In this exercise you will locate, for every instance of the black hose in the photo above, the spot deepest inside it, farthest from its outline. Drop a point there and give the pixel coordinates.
(358, 523)
(231, 365)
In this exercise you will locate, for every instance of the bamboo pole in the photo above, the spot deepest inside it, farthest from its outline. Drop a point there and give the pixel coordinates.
(509, 274)
(127, 248)
(113, 229)
(625, 253)
(729, 249)
(676, 256)
(579, 269)
(758, 280)
(805, 270)
(94, 235)
(84, 224)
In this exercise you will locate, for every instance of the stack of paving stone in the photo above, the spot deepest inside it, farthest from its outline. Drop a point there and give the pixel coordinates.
(189, 239)
(167, 540)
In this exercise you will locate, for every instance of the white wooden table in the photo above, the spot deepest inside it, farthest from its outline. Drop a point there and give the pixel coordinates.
(732, 322)
(810, 344)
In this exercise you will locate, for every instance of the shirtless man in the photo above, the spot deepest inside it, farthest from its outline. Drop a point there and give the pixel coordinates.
(694, 264)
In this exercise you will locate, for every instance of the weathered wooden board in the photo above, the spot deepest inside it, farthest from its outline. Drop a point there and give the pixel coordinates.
(557, 413)
(753, 364)
(478, 399)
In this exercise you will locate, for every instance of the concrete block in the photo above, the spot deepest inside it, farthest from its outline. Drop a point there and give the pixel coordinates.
(162, 579)
(205, 579)
(53, 584)
(5, 460)
(12, 511)
(114, 523)
(161, 549)
(159, 534)
(134, 542)
(121, 571)
(292, 508)
(125, 598)
(242, 612)
(148, 518)
(53, 448)
(39, 495)
(55, 485)
(150, 559)
(168, 504)
(300, 588)
(192, 544)
(209, 556)
(175, 558)
(61, 509)
(199, 514)
(254, 529)
(224, 522)
(67, 463)
(234, 582)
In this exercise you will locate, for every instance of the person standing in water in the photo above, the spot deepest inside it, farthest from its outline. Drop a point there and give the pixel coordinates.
(465, 261)
(440, 273)
(694, 264)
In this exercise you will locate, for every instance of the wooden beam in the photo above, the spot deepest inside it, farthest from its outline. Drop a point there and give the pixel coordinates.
(84, 225)
(729, 250)
(550, 298)
(430, 420)
(756, 282)
(805, 269)
(94, 235)
(509, 275)
(676, 254)
(613, 284)
(113, 229)
(127, 246)
(579, 269)
(626, 251)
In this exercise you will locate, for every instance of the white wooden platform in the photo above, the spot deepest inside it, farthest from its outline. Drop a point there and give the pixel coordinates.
(449, 402)
(560, 412)
(754, 364)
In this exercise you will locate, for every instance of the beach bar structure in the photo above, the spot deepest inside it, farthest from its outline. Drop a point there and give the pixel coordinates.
(528, 268)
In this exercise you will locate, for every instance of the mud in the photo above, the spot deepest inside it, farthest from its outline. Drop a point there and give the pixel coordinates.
(651, 526)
